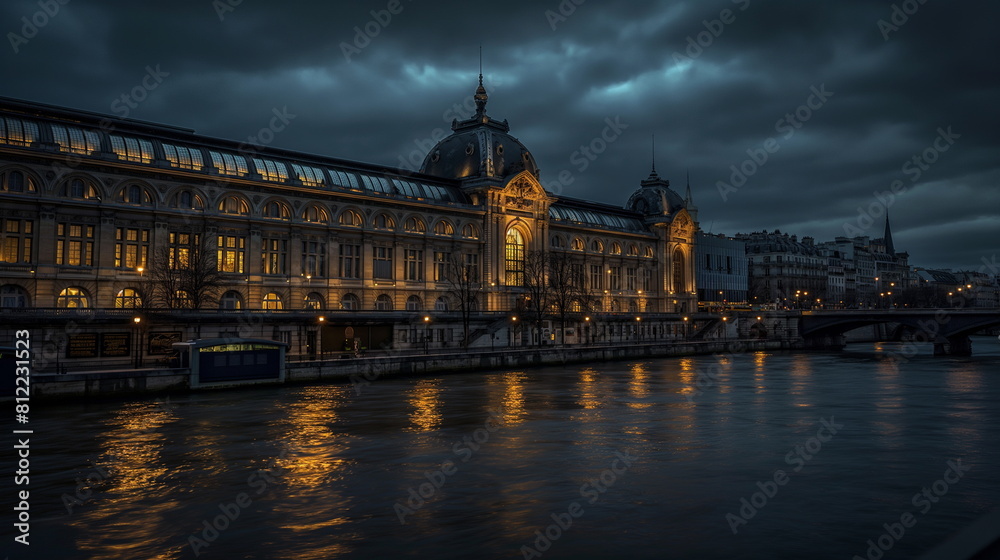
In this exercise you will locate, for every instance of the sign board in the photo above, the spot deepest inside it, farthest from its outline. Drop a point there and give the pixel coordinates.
(116, 345)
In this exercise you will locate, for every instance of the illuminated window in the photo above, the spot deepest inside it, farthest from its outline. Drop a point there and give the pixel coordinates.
(228, 164)
(384, 221)
(316, 215)
(16, 182)
(234, 205)
(74, 244)
(678, 265)
(136, 195)
(73, 298)
(310, 176)
(313, 301)
(231, 300)
(271, 302)
(132, 149)
(271, 170)
(131, 247)
(231, 253)
(17, 132)
(350, 218)
(76, 140)
(16, 239)
(277, 211)
(444, 228)
(182, 248)
(577, 244)
(633, 251)
(470, 231)
(648, 253)
(596, 246)
(314, 258)
(616, 249)
(415, 225)
(79, 188)
(128, 299)
(187, 200)
(184, 157)
(514, 258)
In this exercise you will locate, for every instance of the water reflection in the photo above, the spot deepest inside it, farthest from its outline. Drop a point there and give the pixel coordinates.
(426, 402)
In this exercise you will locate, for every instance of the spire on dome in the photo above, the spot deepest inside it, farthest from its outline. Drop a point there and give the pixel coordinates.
(481, 97)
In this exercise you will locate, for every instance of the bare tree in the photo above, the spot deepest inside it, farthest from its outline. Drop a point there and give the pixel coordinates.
(537, 288)
(187, 275)
(464, 286)
(566, 293)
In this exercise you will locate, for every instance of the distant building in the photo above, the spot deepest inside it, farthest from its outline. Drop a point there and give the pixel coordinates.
(784, 271)
(722, 271)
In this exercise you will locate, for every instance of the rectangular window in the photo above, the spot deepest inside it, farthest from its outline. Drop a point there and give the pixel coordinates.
(472, 267)
(17, 238)
(647, 279)
(314, 258)
(275, 256)
(576, 275)
(630, 279)
(74, 244)
(596, 277)
(350, 261)
(231, 253)
(182, 247)
(441, 260)
(131, 247)
(382, 263)
(414, 269)
(616, 278)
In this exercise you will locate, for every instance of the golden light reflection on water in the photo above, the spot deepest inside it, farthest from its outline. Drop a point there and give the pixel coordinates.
(638, 386)
(309, 470)
(511, 402)
(590, 397)
(801, 379)
(426, 402)
(135, 511)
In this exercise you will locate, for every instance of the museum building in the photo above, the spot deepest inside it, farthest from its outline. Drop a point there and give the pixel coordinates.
(96, 210)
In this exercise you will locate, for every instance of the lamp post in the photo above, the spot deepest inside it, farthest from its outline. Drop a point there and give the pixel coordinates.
(319, 335)
(427, 333)
(725, 328)
(512, 334)
(686, 328)
(586, 329)
(638, 328)
(137, 355)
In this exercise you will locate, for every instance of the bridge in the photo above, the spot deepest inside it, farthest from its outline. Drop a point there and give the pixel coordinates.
(947, 329)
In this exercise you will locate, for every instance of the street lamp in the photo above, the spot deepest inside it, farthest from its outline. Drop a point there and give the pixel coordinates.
(686, 328)
(427, 333)
(321, 319)
(638, 328)
(587, 328)
(137, 358)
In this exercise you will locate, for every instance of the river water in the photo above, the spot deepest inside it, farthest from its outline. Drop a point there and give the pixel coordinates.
(614, 460)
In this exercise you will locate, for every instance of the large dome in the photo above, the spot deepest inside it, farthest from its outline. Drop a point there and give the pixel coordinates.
(655, 198)
(479, 147)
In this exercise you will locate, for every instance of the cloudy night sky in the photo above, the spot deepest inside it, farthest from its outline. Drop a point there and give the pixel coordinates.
(708, 91)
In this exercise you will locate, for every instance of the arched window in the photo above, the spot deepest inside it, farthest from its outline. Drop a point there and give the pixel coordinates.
(128, 299)
(648, 253)
(413, 303)
(187, 200)
(633, 307)
(16, 181)
(350, 302)
(470, 231)
(12, 295)
(558, 242)
(678, 264)
(276, 210)
(633, 251)
(350, 218)
(234, 205)
(415, 225)
(616, 307)
(616, 248)
(316, 215)
(441, 304)
(514, 257)
(384, 221)
(383, 303)
(79, 188)
(73, 298)
(596, 246)
(271, 302)
(444, 228)
(313, 301)
(577, 244)
(231, 300)
(135, 194)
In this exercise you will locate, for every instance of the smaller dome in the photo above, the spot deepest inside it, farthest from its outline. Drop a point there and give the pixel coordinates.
(655, 198)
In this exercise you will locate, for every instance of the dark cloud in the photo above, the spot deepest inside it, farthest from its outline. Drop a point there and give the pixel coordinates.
(630, 61)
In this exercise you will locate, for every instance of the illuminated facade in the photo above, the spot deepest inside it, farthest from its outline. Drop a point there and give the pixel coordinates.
(94, 207)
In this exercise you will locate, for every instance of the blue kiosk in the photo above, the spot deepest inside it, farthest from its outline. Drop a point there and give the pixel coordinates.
(218, 362)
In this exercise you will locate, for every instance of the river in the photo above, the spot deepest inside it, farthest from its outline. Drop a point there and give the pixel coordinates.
(756, 455)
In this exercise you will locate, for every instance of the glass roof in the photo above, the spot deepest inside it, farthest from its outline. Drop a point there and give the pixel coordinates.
(593, 218)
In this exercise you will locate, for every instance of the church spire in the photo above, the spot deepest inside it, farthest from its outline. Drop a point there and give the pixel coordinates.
(689, 200)
(481, 97)
(889, 248)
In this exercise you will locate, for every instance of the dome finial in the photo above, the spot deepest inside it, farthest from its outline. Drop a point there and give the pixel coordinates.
(653, 153)
(481, 97)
